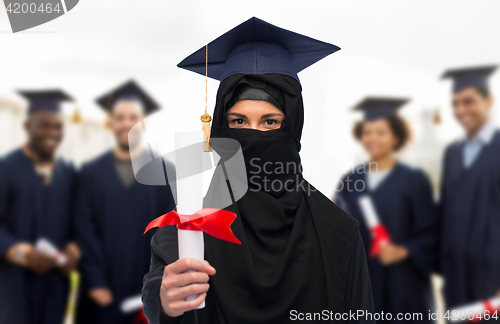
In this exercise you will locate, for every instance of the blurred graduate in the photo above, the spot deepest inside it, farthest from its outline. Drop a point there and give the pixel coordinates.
(112, 211)
(399, 225)
(36, 202)
(470, 196)
(300, 254)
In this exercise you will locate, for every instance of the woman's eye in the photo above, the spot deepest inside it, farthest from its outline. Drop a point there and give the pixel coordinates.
(238, 121)
(270, 122)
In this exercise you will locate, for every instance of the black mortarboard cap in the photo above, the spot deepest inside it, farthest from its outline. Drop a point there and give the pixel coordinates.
(128, 91)
(257, 47)
(378, 107)
(44, 99)
(476, 77)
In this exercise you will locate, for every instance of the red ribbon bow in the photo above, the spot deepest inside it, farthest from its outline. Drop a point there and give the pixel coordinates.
(488, 307)
(215, 222)
(141, 318)
(380, 236)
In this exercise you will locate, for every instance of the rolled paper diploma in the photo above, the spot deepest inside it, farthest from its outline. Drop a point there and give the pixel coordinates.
(132, 304)
(380, 235)
(464, 313)
(43, 245)
(190, 193)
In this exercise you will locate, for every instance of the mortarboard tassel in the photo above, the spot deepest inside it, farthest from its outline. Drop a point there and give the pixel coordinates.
(437, 117)
(205, 118)
(109, 103)
(107, 123)
(77, 117)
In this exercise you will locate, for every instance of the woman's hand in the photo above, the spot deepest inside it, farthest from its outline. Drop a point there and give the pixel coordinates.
(101, 296)
(73, 254)
(392, 253)
(177, 284)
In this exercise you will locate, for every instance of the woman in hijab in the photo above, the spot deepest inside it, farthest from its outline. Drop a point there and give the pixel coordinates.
(402, 238)
(301, 256)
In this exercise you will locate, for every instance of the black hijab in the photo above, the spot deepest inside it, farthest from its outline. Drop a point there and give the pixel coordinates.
(299, 253)
(278, 266)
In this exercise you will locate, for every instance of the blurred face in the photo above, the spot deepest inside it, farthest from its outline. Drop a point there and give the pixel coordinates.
(125, 114)
(377, 138)
(471, 109)
(255, 114)
(45, 132)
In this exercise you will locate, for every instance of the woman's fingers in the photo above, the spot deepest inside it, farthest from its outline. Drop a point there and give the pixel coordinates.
(185, 306)
(209, 269)
(181, 293)
(187, 278)
(184, 265)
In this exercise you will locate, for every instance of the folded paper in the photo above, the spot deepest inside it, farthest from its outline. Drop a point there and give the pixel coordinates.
(380, 234)
(473, 312)
(46, 247)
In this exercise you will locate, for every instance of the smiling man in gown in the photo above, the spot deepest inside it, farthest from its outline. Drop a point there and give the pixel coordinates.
(113, 211)
(470, 198)
(36, 202)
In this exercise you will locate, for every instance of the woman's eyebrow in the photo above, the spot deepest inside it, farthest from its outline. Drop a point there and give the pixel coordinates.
(237, 115)
(270, 115)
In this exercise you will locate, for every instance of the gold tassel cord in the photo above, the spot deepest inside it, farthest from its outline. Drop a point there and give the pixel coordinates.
(437, 117)
(77, 117)
(205, 118)
(107, 123)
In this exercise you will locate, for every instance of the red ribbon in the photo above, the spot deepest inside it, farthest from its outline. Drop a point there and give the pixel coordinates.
(380, 236)
(215, 222)
(141, 318)
(488, 307)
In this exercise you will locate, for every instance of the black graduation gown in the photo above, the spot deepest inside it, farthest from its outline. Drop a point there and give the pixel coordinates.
(28, 211)
(342, 252)
(470, 224)
(111, 220)
(405, 206)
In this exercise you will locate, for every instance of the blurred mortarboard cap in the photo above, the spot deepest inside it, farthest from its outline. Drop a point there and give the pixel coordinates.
(45, 99)
(128, 91)
(476, 77)
(378, 107)
(257, 47)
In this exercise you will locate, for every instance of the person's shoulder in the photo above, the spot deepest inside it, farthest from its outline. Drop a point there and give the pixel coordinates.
(66, 164)
(355, 172)
(95, 164)
(496, 136)
(453, 146)
(411, 170)
(12, 158)
(340, 221)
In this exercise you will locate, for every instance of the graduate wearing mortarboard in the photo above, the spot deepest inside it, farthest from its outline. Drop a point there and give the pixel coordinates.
(112, 211)
(300, 255)
(36, 202)
(402, 199)
(470, 196)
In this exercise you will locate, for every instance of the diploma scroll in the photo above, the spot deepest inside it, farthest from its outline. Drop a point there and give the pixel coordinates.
(131, 305)
(190, 193)
(134, 305)
(43, 245)
(190, 218)
(472, 312)
(380, 235)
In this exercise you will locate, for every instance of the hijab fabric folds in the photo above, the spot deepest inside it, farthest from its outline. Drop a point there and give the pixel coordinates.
(299, 253)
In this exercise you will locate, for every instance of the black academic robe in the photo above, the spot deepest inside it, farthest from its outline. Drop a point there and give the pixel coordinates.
(111, 220)
(470, 224)
(405, 206)
(29, 211)
(341, 248)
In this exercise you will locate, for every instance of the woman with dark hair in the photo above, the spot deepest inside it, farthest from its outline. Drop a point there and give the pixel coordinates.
(301, 257)
(394, 204)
